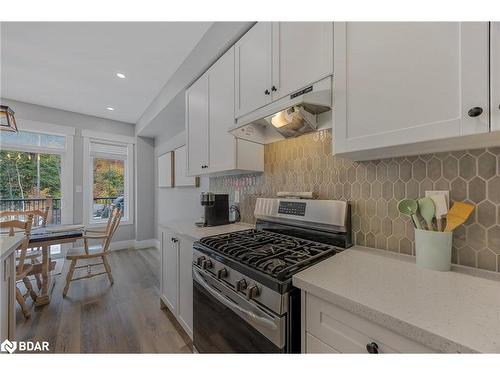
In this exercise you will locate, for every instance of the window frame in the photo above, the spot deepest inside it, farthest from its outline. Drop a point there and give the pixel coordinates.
(67, 155)
(88, 178)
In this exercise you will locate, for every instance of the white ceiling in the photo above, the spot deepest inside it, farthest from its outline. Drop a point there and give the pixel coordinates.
(73, 66)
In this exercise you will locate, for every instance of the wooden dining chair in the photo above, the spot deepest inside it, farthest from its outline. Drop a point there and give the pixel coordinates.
(22, 269)
(40, 216)
(94, 252)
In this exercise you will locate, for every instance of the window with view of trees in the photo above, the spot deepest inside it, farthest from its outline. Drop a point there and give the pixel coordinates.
(108, 186)
(31, 172)
(109, 172)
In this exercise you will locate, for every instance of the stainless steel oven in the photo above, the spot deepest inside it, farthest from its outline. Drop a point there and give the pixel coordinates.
(243, 298)
(226, 322)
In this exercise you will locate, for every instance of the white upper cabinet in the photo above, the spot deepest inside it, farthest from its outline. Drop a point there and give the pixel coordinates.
(302, 54)
(275, 59)
(495, 75)
(253, 69)
(197, 126)
(221, 145)
(211, 148)
(398, 83)
(180, 163)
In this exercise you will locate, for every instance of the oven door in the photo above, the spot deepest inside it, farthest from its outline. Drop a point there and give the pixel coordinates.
(225, 322)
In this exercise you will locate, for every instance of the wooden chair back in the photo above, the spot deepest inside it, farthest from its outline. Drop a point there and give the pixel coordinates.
(39, 216)
(113, 222)
(25, 226)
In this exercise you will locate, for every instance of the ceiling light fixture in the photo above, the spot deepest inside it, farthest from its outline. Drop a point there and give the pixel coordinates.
(121, 75)
(110, 108)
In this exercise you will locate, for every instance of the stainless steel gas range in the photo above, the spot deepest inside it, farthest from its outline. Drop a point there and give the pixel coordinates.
(243, 298)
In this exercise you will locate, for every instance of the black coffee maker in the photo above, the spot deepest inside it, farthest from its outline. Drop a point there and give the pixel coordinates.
(216, 208)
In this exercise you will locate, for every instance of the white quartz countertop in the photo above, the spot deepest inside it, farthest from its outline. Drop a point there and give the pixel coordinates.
(9, 244)
(187, 229)
(446, 311)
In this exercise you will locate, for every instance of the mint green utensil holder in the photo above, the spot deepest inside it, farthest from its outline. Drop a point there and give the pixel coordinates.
(433, 249)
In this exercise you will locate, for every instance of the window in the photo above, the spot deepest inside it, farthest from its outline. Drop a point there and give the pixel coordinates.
(32, 166)
(108, 180)
(36, 170)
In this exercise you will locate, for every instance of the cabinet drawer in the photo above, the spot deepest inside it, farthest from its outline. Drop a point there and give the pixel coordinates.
(348, 333)
(315, 346)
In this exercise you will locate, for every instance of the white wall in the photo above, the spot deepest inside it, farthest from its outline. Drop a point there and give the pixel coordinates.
(78, 121)
(145, 189)
(176, 203)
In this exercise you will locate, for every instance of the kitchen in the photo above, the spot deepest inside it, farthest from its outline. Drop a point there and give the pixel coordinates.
(290, 188)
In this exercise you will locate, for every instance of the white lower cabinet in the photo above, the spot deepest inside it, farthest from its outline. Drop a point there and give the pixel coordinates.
(330, 329)
(7, 298)
(186, 286)
(176, 289)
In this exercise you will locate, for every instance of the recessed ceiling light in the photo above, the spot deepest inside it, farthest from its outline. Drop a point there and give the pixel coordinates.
(121, 75)
(110, 108)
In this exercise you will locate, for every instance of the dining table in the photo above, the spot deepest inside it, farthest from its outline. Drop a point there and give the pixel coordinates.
(43, 237)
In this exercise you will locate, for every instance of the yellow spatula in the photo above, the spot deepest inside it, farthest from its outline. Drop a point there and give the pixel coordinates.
(457, 215)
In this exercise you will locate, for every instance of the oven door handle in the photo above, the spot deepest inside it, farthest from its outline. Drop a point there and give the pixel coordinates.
(228, 303)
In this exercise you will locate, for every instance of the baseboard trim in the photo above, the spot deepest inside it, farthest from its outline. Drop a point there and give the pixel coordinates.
(131, 244)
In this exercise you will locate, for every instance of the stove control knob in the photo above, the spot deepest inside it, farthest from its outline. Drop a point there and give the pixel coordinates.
(199, 261)
(221, 273)
(206, 264)
(241, 285)
(252, 292)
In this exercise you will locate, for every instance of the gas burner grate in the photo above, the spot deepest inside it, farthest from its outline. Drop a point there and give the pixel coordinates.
(272, 253)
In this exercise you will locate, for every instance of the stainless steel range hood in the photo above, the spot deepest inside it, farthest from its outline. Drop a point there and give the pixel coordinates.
(304, 111)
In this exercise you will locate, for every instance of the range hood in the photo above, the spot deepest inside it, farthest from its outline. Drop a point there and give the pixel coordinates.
(288, 117)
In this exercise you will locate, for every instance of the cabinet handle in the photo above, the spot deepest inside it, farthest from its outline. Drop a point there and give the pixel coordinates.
(173, 239)
(274, 88)
(474, 112)
(267, 92)
(372, 348)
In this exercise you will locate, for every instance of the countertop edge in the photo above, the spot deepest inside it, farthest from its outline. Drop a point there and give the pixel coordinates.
(179, 228)
(420, 335)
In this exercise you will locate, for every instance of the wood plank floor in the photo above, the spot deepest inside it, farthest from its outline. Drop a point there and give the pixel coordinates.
(98, 318)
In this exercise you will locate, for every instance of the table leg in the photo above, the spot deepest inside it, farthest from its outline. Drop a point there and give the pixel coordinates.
(44, 296)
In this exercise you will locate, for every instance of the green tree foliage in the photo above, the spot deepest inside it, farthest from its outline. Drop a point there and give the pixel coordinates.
(109, 178)
(18, 175)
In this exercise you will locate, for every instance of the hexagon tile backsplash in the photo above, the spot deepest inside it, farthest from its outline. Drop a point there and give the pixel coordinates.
(375, 187)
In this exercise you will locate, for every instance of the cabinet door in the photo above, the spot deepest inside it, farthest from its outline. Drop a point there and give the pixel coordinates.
(186, 285)
(165, 171)
(181, 177)
(302, 54)
(495, 75)
(197, 126)
(221, 99)
(253, 62)
(398, 83)
(169, 270)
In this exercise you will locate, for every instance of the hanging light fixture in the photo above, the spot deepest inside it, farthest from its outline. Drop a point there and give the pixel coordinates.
(7, 119)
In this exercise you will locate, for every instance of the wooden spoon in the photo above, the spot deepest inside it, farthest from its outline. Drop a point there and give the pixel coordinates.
(457, 215)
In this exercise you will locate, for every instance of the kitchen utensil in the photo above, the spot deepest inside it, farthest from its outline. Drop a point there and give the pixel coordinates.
(433, 249)
(410, 207)
(441, 206)
(458, 214)
(427, 210)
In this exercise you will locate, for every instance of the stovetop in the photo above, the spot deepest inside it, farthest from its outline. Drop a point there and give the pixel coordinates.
(276, 255)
